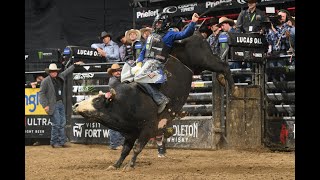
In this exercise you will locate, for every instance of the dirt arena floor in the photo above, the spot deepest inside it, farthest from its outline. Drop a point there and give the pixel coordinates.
(91, 161)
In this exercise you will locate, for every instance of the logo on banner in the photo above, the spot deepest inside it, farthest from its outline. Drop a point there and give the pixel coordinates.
(170, 9)
(210, 4)
(184, 133)
(146, 14)
(187, 7)
(40, 55)
(249, 40)
(241, 1)
(78, 76)
(32, 104)
(87, 52)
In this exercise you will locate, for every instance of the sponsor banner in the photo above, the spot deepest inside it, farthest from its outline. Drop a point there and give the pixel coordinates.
(32, 104)
(82, 52)
(85, 131)
(191, 134)
(37, 126)
(142, 14)
(42, 55)
(248, 40)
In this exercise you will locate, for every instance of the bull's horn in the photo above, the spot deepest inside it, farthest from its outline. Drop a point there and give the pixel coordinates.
(113, 93)
(101, 93)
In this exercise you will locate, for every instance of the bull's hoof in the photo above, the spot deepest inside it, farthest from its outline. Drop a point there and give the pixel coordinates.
(111, 168)
(127, 168)
(161, 156)
(235, 91)
(221, 80)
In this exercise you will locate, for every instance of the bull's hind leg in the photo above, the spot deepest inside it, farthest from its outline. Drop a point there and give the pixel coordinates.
(139, 145)
(223, 70)
(127, 146)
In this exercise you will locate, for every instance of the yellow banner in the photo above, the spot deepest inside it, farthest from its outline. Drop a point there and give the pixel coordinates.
(32, 104)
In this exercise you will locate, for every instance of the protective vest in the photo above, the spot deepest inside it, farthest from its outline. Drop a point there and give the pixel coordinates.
(155, 48)
(129, 53)
(136, 48)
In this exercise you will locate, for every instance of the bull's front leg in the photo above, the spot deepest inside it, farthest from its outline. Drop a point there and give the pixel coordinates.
(127, 146)
(139, 145)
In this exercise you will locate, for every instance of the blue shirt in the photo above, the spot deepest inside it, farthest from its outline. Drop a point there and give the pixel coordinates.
(111, 49)
(169, 38)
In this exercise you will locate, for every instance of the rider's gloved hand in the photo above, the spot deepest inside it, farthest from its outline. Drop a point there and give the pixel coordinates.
(135, 69)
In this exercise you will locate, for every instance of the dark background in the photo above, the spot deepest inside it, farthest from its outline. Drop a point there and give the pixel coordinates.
(58, 23)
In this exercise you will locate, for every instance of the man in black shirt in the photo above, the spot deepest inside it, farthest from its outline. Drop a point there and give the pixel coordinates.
(250, 20)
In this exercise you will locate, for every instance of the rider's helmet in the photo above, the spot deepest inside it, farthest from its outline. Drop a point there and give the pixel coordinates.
(161, 23)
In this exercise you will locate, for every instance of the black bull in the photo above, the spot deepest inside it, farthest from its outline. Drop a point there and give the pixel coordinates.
(134, 113)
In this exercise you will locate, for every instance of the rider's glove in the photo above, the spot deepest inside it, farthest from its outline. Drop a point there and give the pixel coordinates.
(135, 69)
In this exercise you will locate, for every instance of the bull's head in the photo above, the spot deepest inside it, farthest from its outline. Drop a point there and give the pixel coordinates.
(93, 107)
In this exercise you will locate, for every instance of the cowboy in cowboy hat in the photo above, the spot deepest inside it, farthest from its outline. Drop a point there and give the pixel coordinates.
(114, 67)
(145, 32)
(226, 25)
(132, 35)
(108, 49)
(105, 34)
(51, 97)
(52, 67)
(223, 20)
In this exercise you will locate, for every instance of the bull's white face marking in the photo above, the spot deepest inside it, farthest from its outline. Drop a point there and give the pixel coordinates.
(86, 105)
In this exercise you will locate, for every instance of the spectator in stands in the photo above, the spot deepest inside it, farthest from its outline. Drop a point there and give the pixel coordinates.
(116, 139)
(278, 35)
(213, 38)
(133, 37)
(123, 48)
(250, 20)
(145, 32)
(226, 25)
(291, 34)
(37, 82)
(107, 49)
(205, 31)
(51, 97)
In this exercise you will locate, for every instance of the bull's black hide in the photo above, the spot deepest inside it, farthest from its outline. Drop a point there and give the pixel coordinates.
(134, 114)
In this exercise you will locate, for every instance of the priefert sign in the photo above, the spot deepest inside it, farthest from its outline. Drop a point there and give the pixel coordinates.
(146, 14)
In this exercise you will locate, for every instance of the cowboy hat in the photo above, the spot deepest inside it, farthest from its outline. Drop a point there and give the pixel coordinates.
(113, 68)
(104, 34)
(52, 67)
(213, 21)
(225, 20)
(142, 30)
(132, 31)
